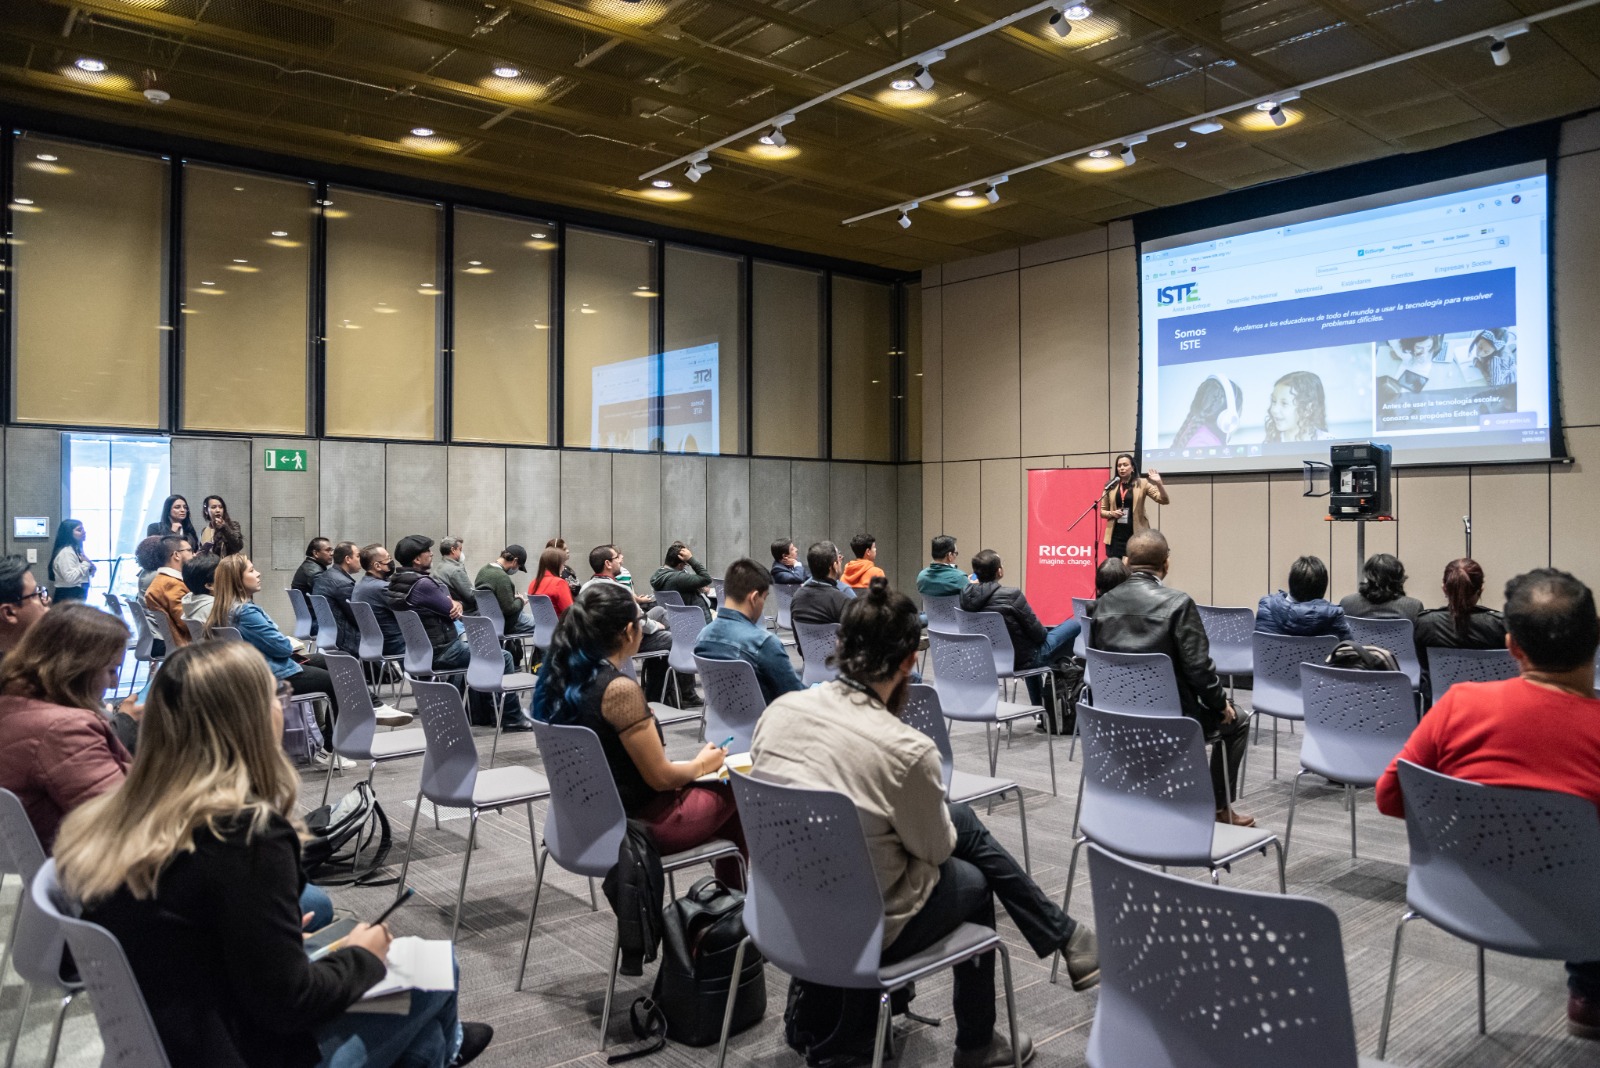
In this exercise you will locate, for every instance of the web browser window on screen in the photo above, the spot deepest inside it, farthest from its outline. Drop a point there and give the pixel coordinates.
(629, 411)
(1417, 317)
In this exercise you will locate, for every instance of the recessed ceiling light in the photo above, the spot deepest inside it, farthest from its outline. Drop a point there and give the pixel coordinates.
(1100, 153)
(661, 183)
(241, 261)
(965, 193)
(507, 72)
(280, 233)
(1180, 144)
(421, 131)
(208, 283)
(23, 200)
(474, 263)
(1078, 12)
(540, 236)
(904, 83)
(47, 157)
(427, 285)
(93, 66)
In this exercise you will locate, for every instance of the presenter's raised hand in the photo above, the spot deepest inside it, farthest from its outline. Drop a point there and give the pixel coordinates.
(1154, 476)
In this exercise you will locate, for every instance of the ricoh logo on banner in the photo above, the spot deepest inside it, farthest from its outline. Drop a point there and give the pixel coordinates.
(1063, 534)
(1065, 555)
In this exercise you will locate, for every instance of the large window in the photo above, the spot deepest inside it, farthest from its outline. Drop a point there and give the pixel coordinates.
(88, 230)
(383, 315)
(246, 286)
(502, 272)
(786, 361)
(609, 375)
(863, 369)
(702, 372)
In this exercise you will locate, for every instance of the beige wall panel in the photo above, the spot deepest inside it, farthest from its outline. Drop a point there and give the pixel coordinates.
(1575, 507)
(1297, 526)
(1065, 248)
(1001, 513)
(1187, 524)
(981, 266)
(980, 368)
(932, 373)
(962, 508)
(932, 502)
(1575, 264)
(1432, 502)
(1123, 305)
(1239, 540)
(1510, 524)
(1063, 356)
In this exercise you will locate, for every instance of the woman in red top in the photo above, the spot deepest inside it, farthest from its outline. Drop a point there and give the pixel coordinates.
(547, 580)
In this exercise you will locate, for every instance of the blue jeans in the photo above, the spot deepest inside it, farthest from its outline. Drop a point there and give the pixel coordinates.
(1060, 637)
(426, 1037)
(455, 656)
(315, 900)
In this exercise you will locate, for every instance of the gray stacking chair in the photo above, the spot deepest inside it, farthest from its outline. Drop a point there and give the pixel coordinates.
(583, 828)
(963, 673)
(38, 957)
(163, 628)
(450, 777)
(369, 649)
(327, 623)
(22, 855)
(1207, 978)
(923, 712)
(666, 597)
(941, 611)
(304, 622)
(355, 729)
(993, 626)
(545, 619)
(418, 657)
(126, 1030)
(685, 622)
(1277, 659)
(1395, 635)
(226, 634)
(1080, 612)
(1228, 632)
(665, 714)
(1356, 724)
(733, 701)
(817, 643)
(486, 673)
(144, 643)
(814, 909)
(783, 603)
(487, 605)
(1446, 667)
(1506, 869)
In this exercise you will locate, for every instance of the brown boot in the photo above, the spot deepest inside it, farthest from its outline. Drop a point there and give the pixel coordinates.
(1235, 817)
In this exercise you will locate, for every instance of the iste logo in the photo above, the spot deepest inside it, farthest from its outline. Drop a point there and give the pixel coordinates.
(1187, 293)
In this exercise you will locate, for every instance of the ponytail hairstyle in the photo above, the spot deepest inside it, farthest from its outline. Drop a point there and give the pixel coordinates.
(1463, 585)
(877, 631)
(590, 631)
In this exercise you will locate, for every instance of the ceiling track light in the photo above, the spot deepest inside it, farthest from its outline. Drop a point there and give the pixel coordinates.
(920, 77)
(1274, 108)
(1499, 51)
(1065, 15)
(904, 218)
(774, 135)
(697, 167)
(991, 191)
(1126, 152)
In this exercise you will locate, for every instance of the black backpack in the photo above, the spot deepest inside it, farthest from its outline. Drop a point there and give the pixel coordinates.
(341, 833)
(834, 1027)
(1362, 657)
(701, 932)
(1066, 680)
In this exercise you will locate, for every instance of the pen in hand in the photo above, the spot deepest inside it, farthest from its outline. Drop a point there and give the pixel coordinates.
(338, 944)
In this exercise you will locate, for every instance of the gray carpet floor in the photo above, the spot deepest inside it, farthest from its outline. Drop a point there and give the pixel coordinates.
(554, 1020)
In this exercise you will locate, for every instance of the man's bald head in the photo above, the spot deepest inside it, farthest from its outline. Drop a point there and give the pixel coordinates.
(1148, 548)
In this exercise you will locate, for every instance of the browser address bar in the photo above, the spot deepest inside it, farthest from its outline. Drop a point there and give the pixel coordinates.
(1390, 259)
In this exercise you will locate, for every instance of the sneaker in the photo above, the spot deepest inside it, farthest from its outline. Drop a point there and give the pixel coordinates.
(388, 716)
(1235, 817)
(1082, 954)
(321, 757)
(998, 1053)
(1583, 1017)
(515, 722)
(475, 1038)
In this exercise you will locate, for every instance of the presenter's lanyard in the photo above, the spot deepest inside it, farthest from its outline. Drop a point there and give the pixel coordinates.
(1124, 495)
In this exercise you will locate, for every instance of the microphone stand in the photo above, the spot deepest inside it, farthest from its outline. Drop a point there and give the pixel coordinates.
(1085, 513)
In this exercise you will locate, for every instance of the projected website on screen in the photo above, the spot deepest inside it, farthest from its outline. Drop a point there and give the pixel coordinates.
(624, 395)
(1417, 317)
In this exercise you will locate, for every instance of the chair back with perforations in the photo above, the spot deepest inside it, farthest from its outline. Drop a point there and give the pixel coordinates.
(922, 711)
(1146, 786)
(1192, 974)
(1080, 612)
(450, 767)
(226, 634)
(685, 623)
(486, 666)
(418, 660)
(585, 822)
(1446, 667)
(1228, 632)
(327, 622)
(1277, 659)
(545, 618)
(487, 606)
(963, 673)
(303, 620)
(733, 701)
(666, 597)
(1512, 870)
(813, 906)
(1356, 721)
(1139, 684)
(357, 722)
(370, 647)
(141, 625)
(783, 603)
(1395, 635)
(817, 643)
(23, 854)
(941, 610)
(991, 625)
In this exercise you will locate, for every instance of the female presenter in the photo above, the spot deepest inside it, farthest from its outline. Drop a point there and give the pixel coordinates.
(1123, 505)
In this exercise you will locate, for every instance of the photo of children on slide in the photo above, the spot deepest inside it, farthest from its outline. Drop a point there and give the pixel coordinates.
(1307, 395)
(1446, 380)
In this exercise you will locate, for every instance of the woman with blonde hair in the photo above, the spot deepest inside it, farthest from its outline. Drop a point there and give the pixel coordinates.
(194, 865)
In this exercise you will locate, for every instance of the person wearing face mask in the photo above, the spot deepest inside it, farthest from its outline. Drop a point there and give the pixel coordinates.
(496, 576)
(938, 865)
(1122, 504)
(372, 589)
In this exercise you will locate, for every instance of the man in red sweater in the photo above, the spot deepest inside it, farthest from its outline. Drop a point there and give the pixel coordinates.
(1540, 731)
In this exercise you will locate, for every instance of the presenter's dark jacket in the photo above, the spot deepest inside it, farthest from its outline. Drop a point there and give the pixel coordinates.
(1141, 615)
(218, 954)
(1142, 488)
(1027, 633)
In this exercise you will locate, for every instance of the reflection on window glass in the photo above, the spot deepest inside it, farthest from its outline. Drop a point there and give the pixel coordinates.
(911, 447)
(862, 369)
(383, 298)
(88, 230)
(502, 269)
(702, 372)
(114, 485)
(247, 263)
(609, 376)
(786, 361)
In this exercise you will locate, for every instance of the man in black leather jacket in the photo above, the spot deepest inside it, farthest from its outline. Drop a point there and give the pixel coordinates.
(1142, 615)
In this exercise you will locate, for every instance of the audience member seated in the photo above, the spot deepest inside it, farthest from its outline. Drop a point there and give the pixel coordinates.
(937, 864)
(1303, 610)
(786, 567)
(337, 584)
(222, 535)
(449, 567)
(859, 572)
(372, 589)
(1111, 573)
(737, 633)
(23, 601)
(199, 573)
(149, 555)
(942, 578)
(1463, 623)
(570, 576)
(1540, 731)
(70, 570)
(547, 581)
(57, 746)
(319, 554)
(606, 563)
(582, 684)
(168, 589)
(1031, 644)
(684, 575)
(496, 576)
(194, 865)
(175, 519)
(821, 599)
(1142, 615)
(1382, 591)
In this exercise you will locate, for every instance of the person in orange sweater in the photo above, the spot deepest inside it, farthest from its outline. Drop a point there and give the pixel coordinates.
(167, 589)
(1540, 731)
(860, 572)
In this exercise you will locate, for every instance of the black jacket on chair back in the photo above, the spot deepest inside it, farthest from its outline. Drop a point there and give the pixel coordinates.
(1143, 616)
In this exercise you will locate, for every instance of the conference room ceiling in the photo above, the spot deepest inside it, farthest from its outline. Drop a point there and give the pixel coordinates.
(608, 89)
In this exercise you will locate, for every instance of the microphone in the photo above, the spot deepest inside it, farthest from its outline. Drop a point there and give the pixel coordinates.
(1112, 481)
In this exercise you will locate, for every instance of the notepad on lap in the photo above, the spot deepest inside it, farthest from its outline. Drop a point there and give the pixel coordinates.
(416, 964)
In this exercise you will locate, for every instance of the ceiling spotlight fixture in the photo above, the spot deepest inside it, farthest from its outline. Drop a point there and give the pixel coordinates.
(923, 77)
(1062, 18)
(661, 183)
(280, 233)
(46, 157)
(697, 167)
(421, 131)
(1210, 126)
(966, 193)
(903, 84)
(1274, 108)
(1078, 12)
(774, 135)
(1180, 144)
(506, 72)
(93, 66)
(540, 236)
(1499, 51)
(1128, 158)
(904, 218)
(1099, 153)
(920, 77)
(991, 192)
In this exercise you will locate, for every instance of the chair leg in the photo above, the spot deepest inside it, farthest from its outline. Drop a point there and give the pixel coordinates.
(55, 1030)
(880, 1031)
(1483, 1011)
(1294, 793)
(1077, 809)
(11, 939)
(495, 748)
(594, 904)
(22, 1016)
(1350, 792)
(1050, 747)
(1283, 882)
(1072, 748)
(1066, 898)
(327, 780)
(1274, 747)
(733, 994)
(611, 986)
(466, 862)
(1011, 1003)
(1022, 815)
(1394, 972)
(992, 743)
(533, 909)
(411, 841)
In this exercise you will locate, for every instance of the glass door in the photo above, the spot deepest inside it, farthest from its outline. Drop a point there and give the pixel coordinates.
(115, 484)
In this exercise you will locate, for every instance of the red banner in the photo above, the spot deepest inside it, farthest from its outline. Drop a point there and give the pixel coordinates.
(1061, 556)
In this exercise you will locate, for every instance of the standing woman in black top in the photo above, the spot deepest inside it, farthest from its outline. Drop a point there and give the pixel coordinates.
(175, 520)
(582, 684)
(222, 535)
(193, 863)
(1122, 505)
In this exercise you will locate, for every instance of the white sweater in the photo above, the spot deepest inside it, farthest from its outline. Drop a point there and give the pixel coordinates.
(71, 569)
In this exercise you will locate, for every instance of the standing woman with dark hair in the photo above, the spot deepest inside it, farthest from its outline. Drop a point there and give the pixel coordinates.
(70, 568)
(1463, 623)
(1122, 505)
(1382, 593)
(222, 535)
(175, 520)
(582, 684)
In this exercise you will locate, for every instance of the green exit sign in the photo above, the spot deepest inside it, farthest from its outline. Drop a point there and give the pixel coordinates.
(284, 459)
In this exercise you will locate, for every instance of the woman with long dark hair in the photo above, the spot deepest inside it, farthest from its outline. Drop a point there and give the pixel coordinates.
(175, 519)
(1122, 505)
(1382, 591)
(222, 535)
(582, 684)
(1213, 414)
(1463, 623)
(70, 568)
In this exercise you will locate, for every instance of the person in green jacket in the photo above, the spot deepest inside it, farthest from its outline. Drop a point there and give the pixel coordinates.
(942, 578)
(496, 576)
(683, 574)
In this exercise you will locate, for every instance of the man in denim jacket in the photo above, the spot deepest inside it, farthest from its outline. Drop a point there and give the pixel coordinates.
(735, 635)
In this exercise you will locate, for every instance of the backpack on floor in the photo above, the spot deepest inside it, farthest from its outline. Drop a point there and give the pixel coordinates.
(701, 932)
(1066, 678)
(1362, 657)
(341, 834)
(833, 1027)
